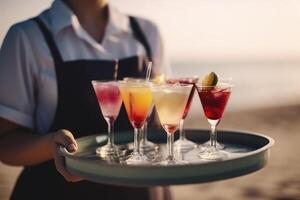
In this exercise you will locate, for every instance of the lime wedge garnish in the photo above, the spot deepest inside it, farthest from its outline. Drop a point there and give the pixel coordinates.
(160, 79)
(210, 79)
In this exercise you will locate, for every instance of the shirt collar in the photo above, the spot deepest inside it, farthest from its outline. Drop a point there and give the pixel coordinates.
(62, 16)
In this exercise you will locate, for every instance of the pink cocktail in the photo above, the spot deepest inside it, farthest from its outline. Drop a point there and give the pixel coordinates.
(183, 144)
(110, 101)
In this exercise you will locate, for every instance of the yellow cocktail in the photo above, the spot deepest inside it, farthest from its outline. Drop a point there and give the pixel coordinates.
(170, 101)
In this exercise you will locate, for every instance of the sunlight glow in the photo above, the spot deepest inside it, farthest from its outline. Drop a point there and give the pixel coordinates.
(206, 29)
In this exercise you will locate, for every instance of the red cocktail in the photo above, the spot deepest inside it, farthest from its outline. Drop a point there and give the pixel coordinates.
(214, 100)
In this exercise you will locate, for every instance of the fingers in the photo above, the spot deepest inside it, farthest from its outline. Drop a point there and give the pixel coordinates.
(66, 139)
(60, 166)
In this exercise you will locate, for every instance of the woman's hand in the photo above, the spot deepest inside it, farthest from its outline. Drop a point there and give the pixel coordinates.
(64, 138)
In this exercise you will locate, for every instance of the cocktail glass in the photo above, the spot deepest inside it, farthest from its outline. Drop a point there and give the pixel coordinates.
(214, 100)
(110, 101)
(170, 101)
(219, 145)
(137, 98)
(183, 144)
(145, 144)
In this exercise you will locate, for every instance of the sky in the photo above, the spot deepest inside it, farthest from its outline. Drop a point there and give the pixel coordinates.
(219, 30)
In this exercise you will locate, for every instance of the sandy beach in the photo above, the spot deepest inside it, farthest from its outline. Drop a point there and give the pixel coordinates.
(279, 180)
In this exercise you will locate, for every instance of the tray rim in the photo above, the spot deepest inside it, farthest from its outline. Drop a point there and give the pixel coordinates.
(270, 143)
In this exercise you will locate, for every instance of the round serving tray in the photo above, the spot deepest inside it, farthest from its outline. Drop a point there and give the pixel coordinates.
(247, 152)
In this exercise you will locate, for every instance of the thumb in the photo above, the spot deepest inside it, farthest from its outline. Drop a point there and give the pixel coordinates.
(65, 138)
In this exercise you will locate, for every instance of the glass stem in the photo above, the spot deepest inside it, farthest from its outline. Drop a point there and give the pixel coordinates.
(213, 136)
(110, 123)
(213, 132)
(181, 130)
(170, 141)
(137, 136)
(144, 134)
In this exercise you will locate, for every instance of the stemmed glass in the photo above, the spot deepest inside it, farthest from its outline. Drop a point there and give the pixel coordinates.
(183, 144)
(110, 101)
(145, 144)
(214, 100)
(170, 101)
(137, 98)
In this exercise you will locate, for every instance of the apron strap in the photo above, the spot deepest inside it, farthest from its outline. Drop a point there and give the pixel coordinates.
(140, 36)
(50, 41)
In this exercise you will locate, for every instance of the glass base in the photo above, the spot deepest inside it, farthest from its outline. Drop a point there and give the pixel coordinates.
(146, 146)
(137, 159)
(173, 161)
(212, 153)
(184, 145)
(107, 151)
(220, 146)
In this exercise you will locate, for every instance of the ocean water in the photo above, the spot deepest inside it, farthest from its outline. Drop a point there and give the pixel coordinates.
(256, 85)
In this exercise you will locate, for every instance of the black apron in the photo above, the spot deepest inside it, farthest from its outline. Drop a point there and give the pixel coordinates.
(78, 111)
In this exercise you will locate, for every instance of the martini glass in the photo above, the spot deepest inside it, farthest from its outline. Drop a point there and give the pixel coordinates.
(145, 144)
(170, 101)
(110, 101)
(219, 145)
(183, 144)
(214, 100)
(137, 98)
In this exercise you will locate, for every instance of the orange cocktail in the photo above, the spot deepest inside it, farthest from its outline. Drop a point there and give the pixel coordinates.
(137, 98)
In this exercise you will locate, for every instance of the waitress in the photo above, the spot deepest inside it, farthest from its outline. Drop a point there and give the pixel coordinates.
(46, 98)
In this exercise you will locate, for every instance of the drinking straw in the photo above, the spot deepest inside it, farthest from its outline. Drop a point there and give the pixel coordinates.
(116, 69)
(149, 68)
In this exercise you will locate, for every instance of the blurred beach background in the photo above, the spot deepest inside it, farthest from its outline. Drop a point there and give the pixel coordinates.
(255, 42)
